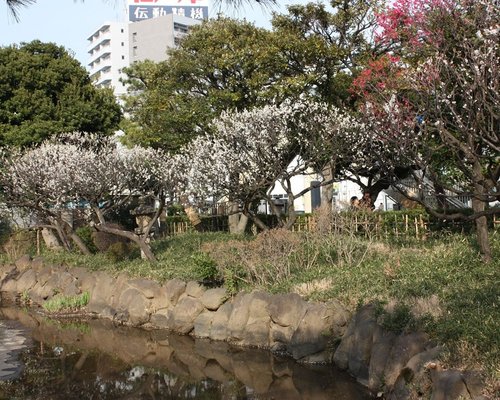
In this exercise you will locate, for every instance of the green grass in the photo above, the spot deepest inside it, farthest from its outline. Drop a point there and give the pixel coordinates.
(177, 257)
(66, 303)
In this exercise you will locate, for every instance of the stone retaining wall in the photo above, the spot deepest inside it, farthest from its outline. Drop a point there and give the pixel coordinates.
(399, 366)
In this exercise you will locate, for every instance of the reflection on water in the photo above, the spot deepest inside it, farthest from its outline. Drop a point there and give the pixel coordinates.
(97, 360)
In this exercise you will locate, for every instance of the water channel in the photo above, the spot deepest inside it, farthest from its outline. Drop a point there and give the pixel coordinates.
(47, 359)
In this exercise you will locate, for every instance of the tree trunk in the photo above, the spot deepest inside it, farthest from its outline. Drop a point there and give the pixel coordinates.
(80, 244)
(141, 242)
(478, 206)
(62, 235)
(50, 239)
(258, 222)
(327, 192)
(482, 230)
(292, 214)
(237, 221)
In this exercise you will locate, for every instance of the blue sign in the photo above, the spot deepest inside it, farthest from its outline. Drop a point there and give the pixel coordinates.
(140, 13)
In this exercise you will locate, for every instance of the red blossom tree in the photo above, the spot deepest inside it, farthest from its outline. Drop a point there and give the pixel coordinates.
(437, 102)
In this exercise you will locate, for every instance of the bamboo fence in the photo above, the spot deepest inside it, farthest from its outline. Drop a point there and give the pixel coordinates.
(402, 226)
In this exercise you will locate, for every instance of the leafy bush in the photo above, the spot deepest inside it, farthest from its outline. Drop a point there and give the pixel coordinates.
(205, 268)
(62, 303)
(85, 233)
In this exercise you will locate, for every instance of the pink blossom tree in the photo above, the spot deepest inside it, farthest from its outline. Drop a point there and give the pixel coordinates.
(437, 101)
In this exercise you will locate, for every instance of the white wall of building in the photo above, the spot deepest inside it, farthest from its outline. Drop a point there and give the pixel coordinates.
(342, 193)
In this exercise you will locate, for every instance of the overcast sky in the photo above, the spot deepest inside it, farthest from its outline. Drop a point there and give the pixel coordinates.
(70, 22)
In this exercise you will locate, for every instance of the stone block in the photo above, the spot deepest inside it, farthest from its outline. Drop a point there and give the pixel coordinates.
(26, 281)
(203, 324)
(194, 289)
(147, 287)
(23, 263)
(213, 298)
(174, 289)
(220, 321)
(313, 332)
(448, 385)
(287, 309)
(183, 315)
(136, 304)
(239, 316)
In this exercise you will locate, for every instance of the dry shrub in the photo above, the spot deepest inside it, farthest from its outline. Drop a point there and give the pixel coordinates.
(19, 243)
(342, 238)
(316, 286)
(267, 259)
(423, 306)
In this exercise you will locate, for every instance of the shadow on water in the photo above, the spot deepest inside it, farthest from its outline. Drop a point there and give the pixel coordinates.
(97, 360)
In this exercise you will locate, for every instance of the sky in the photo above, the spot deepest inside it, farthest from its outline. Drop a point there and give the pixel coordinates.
(69, 22)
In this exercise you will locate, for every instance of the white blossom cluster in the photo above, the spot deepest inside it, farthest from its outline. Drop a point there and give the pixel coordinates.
(253, 149)
(78, 169)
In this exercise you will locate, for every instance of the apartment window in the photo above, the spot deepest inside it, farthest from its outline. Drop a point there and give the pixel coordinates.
(123, 44)
(134, 51)
(121, 30)
(180, 27)
(134, 37)
(123, 57)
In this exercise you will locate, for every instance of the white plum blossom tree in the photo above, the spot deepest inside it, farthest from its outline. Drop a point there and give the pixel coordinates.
(80, 169)
(255, 149)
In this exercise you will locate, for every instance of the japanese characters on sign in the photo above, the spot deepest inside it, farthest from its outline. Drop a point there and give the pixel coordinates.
(144, 9)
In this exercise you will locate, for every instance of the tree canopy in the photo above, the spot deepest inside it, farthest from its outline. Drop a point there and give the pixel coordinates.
(222, 64)
(76, 170)
(45, 91)
(437, 102)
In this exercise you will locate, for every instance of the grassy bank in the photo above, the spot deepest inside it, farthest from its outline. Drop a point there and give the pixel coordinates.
(440, 285)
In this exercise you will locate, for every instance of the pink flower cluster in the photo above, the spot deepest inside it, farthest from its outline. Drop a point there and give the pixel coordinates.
(408, 20)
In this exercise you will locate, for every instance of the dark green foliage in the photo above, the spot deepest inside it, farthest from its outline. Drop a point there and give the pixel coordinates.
(85, 233)
(5, 231)
(44, 91)
(205, 267)
(397, 320)
(223, 64)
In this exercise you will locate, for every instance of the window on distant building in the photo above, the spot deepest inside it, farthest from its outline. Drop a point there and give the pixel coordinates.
(123, 57)
(123, 44)
(180, 27)
(134, 51)
(134, 37)
(121, 30)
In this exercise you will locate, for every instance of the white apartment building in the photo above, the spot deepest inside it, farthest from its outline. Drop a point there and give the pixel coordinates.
(149, 39)
(109, 54)
(116, 45)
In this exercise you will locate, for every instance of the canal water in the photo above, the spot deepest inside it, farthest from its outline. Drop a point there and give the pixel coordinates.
(47, 359)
